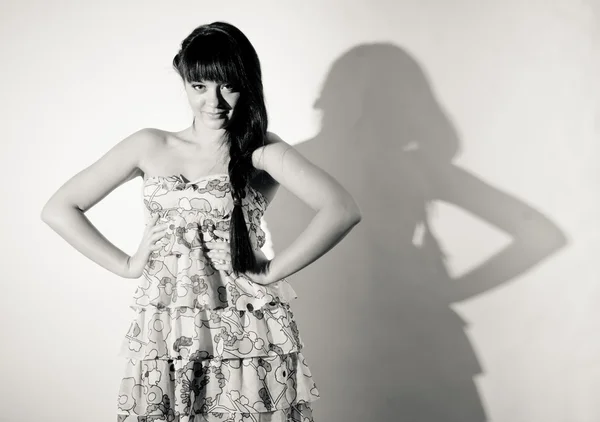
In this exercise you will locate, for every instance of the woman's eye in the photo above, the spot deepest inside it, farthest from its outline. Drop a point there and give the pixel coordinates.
(228, 87)
(197, 86)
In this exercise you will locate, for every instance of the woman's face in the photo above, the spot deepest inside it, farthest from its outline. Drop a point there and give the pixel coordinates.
(212, 102)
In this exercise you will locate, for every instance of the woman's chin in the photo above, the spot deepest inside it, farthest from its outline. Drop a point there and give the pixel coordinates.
(214, 123)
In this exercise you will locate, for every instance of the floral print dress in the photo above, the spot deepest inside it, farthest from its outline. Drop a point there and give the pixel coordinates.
(204, 346)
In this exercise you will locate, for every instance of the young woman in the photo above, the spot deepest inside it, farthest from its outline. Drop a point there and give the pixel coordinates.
(213, 337)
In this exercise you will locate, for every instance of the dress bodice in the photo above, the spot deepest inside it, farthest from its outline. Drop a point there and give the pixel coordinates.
(197, 208)
(179, 274)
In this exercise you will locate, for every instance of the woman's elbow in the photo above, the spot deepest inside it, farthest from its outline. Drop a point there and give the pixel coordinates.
(47, 214)
(52, 211)
(349, 211)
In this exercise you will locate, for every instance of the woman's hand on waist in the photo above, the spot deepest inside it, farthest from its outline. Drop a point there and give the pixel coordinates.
(219, 254)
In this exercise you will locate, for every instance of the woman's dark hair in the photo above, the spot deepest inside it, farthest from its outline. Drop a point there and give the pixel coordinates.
(221, 53)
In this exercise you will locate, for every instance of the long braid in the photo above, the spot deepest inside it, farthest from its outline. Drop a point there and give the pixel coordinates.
(242, 254)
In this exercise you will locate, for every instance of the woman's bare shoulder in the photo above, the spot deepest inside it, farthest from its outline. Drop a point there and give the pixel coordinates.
(151, 141)
(258, 153)
(152, 137)
(118, 165)
(145, 138)
(263, 181)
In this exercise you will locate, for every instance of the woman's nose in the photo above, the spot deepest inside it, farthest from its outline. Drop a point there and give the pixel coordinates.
(213, 98)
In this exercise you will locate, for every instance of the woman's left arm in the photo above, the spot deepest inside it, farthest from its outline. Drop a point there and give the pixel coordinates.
(336, 211)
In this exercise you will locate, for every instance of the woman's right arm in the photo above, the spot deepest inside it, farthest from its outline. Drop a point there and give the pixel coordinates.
(64, 211)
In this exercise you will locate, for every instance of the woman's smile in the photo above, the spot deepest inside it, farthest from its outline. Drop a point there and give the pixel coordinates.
(219, 115)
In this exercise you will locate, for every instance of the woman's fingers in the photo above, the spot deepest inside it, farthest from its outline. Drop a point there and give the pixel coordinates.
(222, 255)
(219, 254)
(157, 236)
(217, 246)
(222, 265)
(159, 227)
(152, 221)
(219, 251)
(222, 234)
(219, 257)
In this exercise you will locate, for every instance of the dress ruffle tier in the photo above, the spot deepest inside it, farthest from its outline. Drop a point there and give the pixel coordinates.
(203, 345)
(185, 364)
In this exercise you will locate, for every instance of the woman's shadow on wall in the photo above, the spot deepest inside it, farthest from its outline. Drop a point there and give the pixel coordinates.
(387, 344)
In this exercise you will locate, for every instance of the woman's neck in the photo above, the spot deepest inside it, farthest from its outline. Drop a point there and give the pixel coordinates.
(204, 138)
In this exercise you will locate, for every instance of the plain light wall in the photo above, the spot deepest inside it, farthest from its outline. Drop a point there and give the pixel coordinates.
(475, 118)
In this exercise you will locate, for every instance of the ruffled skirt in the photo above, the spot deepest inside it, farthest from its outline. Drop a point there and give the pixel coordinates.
(232, 354)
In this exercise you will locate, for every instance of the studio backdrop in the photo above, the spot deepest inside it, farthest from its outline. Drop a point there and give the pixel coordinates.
(467, 131)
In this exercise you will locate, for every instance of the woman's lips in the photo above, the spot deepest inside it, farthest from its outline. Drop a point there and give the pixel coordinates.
(215, 115)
